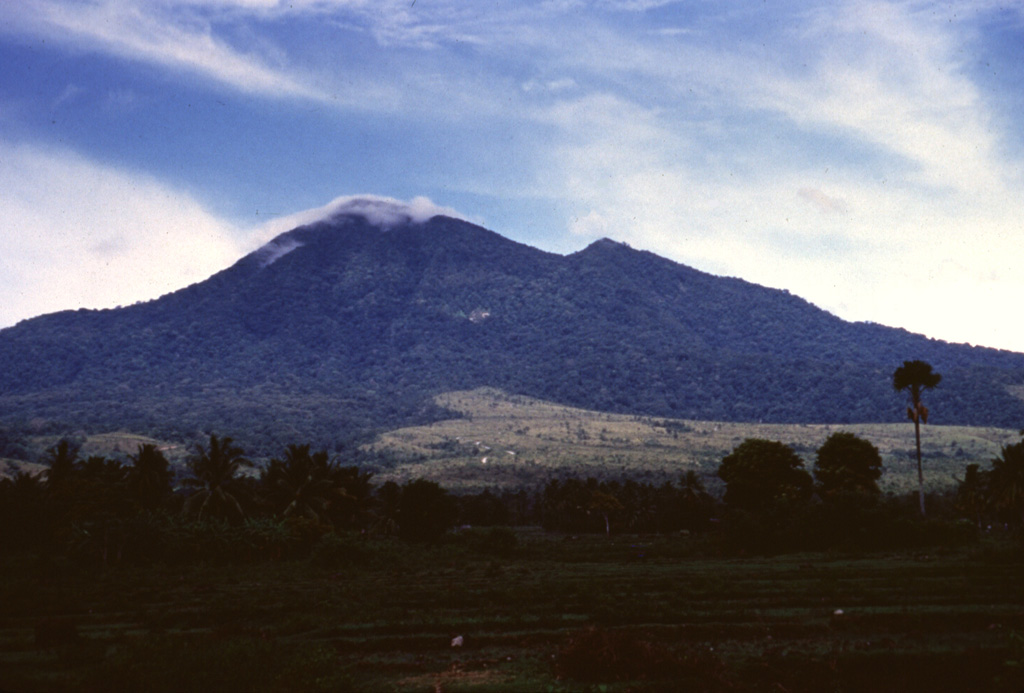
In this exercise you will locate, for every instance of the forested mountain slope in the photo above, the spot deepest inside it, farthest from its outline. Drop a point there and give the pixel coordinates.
(345, 326)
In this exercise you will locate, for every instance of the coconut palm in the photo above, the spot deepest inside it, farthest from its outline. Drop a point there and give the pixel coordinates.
(214, 473)
(62, 459)
(914, 377)
(149, 477)
(351, 505)
(301, 484)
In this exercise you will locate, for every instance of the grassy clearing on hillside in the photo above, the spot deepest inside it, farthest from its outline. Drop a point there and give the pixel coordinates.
(121, 442)
(10, 468)
(512, 441)
(560, 613)
(116, 445)
(506, 440)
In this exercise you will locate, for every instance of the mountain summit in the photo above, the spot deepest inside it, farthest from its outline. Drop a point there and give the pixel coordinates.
(351, 322)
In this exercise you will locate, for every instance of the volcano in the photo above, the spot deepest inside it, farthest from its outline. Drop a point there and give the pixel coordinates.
(350, 324)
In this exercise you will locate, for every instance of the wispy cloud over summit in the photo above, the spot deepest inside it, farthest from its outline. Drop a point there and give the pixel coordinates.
(384, 212)
(809, 145)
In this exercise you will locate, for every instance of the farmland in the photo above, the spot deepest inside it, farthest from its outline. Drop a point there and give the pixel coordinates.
(548, 612)
(811, 597)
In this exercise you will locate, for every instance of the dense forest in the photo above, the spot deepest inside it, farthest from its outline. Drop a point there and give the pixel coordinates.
(356, 329)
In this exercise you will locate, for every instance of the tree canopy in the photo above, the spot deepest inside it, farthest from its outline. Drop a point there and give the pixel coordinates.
(759, 473)
(214, 473)
(847, 464)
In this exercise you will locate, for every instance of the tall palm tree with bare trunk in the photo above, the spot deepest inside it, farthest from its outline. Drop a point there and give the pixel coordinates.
(915, 377)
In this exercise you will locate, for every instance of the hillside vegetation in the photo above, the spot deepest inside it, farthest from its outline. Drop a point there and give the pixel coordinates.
(359, 328)
(502, 440)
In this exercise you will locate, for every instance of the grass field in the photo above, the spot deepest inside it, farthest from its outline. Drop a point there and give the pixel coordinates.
(505, 440)
(555, 613)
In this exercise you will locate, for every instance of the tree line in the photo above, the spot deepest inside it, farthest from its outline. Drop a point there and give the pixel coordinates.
(107, 511)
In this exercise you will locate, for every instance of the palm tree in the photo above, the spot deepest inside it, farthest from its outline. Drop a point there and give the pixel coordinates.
(62, 459)
(351, 502)
(915, 376)
(149, 477)
(214, 473)
(300, 485)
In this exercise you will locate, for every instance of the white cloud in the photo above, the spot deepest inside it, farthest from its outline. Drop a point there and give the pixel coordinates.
(842, 151)
(903, 255)
(895, 79)
(385, 212)
(142, 32)
(862, 252)
(824, 203)
(551, 85)
(904, 213)
(77, 233)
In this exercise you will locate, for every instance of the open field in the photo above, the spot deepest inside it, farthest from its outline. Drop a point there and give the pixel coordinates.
(554, 613)
(508, 440)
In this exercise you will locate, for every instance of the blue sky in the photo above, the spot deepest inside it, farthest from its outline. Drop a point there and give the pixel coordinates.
(864, 155)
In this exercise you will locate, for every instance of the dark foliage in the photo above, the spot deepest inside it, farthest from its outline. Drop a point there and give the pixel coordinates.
(760, 473)
(214, 471)
(847, 465)
(995, 495)
(425, 511)
(576, 505)
(357, 328)
(102, 512)
(1007, 484)
(483, 509)
(149, 478)
(25, 520)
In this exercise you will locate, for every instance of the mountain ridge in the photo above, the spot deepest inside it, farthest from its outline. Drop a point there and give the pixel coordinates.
(343, 326)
